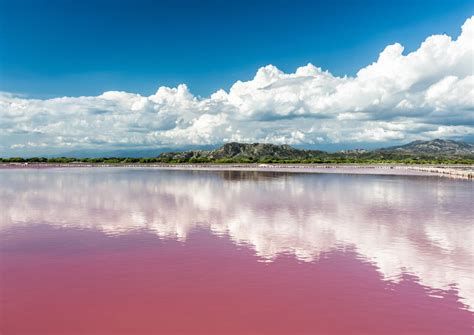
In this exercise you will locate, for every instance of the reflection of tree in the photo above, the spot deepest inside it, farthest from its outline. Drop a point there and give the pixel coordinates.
(399, 223)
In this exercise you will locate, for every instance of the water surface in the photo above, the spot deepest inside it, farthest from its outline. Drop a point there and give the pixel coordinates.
(144, 251)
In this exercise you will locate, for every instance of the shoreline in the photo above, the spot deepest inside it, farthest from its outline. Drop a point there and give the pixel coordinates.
(440, 170)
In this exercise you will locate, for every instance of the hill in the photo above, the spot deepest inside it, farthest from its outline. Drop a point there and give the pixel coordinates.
(437, 149)
(245, 151)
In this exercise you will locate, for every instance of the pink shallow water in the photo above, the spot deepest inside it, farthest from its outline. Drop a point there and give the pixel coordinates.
(136, 251)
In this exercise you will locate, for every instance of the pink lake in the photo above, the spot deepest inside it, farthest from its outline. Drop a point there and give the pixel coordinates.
(148, 251)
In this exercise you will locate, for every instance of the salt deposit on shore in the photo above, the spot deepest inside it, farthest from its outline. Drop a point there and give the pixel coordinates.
(451, 171)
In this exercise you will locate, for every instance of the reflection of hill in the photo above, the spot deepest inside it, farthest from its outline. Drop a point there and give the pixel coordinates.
(251, 175)
(416, 225)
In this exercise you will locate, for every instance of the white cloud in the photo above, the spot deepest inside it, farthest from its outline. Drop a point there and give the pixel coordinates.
(426, 93)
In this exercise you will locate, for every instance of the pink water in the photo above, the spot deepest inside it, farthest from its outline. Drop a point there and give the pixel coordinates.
(137, 251)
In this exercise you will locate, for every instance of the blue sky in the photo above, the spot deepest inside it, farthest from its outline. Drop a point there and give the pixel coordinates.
(99, 76)
(55, 48)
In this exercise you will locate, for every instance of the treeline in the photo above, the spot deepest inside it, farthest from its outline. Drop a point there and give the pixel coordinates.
(202, 160)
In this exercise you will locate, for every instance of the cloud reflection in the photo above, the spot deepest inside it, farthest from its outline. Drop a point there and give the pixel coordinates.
(402, 225)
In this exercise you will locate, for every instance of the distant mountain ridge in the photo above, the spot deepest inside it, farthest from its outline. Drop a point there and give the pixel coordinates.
(437, 148)
(437, 151)
(434, 147)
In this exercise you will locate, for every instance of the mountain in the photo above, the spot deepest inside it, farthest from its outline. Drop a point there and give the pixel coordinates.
(435, 149)
(242, 151)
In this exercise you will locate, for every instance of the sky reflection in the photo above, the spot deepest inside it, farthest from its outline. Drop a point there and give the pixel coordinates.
(417, 226)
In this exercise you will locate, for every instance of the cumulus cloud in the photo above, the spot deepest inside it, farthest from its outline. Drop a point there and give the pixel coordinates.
(420, 95)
